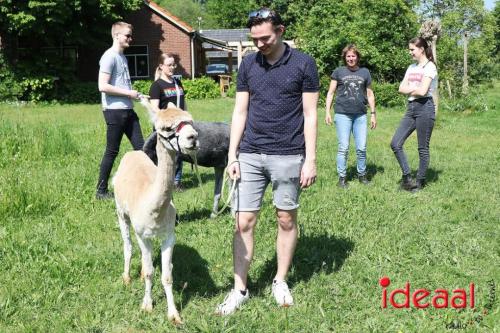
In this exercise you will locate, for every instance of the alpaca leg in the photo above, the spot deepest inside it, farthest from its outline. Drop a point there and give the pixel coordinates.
(219, 178)
(146, 246)
(167, 248)
(124, 223)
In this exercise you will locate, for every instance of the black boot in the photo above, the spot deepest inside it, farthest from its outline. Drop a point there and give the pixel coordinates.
(104, 195)
(407, 183)
(363, 179)
(342, 182)
(420, 184)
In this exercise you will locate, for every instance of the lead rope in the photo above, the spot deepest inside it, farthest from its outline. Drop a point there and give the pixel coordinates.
(197, 172)
(231, 192)
(224, 180)
(230, 195)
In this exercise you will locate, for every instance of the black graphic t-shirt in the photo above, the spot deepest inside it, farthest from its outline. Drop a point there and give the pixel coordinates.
(351, 89)
(167, 92)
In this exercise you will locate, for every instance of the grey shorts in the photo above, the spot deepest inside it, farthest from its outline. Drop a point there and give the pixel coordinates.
(257, 171)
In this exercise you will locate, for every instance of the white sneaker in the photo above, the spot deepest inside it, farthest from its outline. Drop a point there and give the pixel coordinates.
(232, 302)
(282, 293)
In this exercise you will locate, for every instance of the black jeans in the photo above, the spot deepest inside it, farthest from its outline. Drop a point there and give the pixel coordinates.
(420, 115)
(118, 122)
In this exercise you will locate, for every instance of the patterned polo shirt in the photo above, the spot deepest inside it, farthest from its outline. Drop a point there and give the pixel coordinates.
(275, 120)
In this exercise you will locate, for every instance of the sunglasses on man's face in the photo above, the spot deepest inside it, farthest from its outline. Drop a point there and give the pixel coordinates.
(262, 13)
(128, 36)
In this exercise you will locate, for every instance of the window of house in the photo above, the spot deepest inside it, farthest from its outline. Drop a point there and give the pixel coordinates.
(138, 61)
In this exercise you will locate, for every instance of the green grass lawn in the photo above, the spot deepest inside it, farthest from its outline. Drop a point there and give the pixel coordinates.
(61, 251)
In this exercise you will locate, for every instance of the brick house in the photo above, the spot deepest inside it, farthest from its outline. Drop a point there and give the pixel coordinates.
(156, 30)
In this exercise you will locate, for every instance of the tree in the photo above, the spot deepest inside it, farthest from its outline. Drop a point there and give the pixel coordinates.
(230, 14)
(54, 23)
(192, 12)
(381, 29)
(460, 18)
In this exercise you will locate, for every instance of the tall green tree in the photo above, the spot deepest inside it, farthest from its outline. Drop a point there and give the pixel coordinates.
(192, 12)
(458, 17)
(52, 22)
(230, 14)
(380, 28)
(34, 25)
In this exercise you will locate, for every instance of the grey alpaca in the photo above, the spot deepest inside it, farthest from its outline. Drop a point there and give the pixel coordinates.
(214, 145)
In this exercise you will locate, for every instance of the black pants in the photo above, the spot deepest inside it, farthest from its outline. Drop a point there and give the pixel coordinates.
(118, 122)
(420, 115)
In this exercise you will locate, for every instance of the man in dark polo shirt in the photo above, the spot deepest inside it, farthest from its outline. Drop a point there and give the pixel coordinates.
(273, 140)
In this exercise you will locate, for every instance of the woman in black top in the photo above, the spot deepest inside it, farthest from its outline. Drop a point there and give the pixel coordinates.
(168, 89)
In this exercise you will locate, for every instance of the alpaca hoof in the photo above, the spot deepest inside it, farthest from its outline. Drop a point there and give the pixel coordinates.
(175, 319)
(213, 215)
(126, 279)
(147, 307)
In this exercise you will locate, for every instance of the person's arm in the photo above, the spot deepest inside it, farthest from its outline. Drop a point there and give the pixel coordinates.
(109, 89)
(155, 103)
(423, 89)
(404, 88)
(329, 101)
(371, 102)
(309, 105)
(238, 122)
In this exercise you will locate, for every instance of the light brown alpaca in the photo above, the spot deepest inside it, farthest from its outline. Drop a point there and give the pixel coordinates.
(143, 195)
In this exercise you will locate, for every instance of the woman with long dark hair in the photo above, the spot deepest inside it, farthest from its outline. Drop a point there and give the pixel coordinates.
(419, 83)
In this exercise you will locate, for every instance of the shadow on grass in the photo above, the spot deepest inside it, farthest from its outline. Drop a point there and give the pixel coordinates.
(188, 267)
(312, 255)
(194, 215)
(433, 175)
(371, 171)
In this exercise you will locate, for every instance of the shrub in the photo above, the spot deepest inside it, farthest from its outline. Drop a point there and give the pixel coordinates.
(79, 92)
(231, 92)
(37, 89)
(142, 86)
(10, 89)
(464, 103)
(386, 94)
(201, 88)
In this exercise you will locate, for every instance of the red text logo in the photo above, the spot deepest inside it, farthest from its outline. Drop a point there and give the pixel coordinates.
(423, 298)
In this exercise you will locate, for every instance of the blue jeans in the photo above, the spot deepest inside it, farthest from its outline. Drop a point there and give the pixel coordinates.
(178, 168)
(345, 124)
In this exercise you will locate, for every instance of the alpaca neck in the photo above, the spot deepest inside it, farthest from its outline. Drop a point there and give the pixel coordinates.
(164, 181)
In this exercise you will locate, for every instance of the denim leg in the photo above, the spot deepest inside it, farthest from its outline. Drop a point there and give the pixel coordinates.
(133, 130)
(178, 168)
(359, 131)
(406, 127)
(424, 125)
(343, 124)
(114, 133)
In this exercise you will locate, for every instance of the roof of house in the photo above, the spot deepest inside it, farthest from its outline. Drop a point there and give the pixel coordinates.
(169, 16)
(228, 35)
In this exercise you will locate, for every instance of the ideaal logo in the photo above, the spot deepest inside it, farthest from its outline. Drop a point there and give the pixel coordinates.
(422, 298)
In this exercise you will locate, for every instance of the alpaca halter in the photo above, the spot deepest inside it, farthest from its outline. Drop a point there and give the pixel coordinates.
(175, 135)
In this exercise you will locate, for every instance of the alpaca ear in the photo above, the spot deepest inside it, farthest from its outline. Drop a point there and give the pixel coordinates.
(152, 111)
